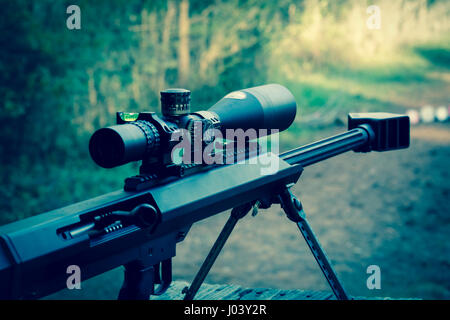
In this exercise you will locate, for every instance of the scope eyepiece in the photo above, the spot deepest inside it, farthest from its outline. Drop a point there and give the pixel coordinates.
(117, 145)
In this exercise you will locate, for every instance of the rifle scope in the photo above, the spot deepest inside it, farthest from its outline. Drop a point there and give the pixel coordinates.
(146, 136)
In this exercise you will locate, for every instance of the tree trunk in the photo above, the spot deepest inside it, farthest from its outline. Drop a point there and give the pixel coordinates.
(164, 58)
(183, 48)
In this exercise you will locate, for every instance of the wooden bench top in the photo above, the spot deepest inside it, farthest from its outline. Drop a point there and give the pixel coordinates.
(235, 292)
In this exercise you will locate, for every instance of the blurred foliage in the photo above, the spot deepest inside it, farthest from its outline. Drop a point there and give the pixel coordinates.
(58, 85)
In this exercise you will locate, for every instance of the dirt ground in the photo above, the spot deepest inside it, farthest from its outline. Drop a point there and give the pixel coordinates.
(388, 209)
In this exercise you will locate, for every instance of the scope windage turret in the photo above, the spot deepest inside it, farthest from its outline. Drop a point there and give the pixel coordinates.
(141, 136)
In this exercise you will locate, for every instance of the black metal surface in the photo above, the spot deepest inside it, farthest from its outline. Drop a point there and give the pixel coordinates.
(138, 282)
(322, 259)
(270, 106)
(326, 148)
(390, 131)
(34, 256)
(117, 145)
(294, 211)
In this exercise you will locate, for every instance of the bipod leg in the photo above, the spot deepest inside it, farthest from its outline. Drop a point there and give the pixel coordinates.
(236, 214)
(294, 211)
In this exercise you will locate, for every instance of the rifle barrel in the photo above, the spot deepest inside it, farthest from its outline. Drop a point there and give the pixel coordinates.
(326, 148)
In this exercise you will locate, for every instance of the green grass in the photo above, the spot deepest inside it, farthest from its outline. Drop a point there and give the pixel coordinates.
(422, 77)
